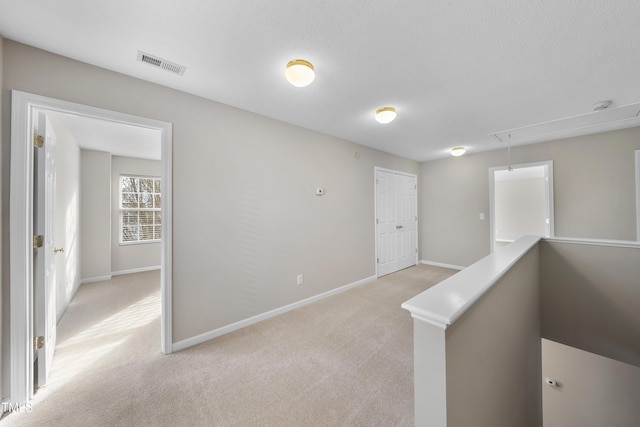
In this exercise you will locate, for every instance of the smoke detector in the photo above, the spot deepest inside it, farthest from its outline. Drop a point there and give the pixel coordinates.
(163, 64)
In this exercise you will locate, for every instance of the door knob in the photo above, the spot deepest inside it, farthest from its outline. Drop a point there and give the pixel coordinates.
(398, 227)
(57, 250)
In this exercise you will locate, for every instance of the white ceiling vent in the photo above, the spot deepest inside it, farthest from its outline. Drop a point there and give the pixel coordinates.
(584, 124)
(161, 63)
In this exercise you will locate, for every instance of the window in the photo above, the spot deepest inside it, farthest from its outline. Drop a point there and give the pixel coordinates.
(140, 214)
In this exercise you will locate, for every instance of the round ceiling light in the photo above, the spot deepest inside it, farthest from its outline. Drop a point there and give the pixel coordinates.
(385, 115)
(458, 151)
(300, 73)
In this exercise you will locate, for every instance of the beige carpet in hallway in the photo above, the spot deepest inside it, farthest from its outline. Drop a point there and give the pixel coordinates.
(344, 361)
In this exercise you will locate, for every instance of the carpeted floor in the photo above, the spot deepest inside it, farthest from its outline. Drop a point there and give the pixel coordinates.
(344, 361)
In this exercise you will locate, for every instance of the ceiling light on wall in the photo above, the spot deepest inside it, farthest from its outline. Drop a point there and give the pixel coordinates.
(300, 73)
(385, 115)
(458, 151)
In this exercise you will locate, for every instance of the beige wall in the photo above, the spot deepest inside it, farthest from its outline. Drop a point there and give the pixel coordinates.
(96, 214)
(493, 364)
(130, 257)
(594, 391)
(594, 194)
(103, 254)
(246, 219)
(590, 298)
(67, 215)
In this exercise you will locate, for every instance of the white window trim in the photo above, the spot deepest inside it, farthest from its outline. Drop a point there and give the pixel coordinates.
(121, 210)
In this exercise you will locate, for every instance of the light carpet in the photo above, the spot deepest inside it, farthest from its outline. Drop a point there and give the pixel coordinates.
(346, 360)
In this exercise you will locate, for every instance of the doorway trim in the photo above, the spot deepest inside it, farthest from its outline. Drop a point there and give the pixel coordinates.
(377, 169)
(23, 105)
(638, 195)
(492, 201)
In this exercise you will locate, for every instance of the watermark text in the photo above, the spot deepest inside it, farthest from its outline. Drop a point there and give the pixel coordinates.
(16, 407)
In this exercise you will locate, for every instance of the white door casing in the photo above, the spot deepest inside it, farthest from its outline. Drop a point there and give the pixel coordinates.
(21, 197)
(396, 221)
(638, 195)
(44, 258)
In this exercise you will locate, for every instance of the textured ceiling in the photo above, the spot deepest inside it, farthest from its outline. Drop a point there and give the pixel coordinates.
(455, 70)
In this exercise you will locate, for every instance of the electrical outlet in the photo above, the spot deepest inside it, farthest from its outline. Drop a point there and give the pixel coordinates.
(300, 279)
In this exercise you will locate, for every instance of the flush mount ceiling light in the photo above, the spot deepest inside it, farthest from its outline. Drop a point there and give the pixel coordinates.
(300, 72)
(385, 115)
(458, 151)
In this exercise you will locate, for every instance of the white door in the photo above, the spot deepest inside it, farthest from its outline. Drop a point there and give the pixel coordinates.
(396, 221)
(43, 257)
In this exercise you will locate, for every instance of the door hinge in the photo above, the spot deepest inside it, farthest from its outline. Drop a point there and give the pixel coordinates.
(415, 186)
(38, 241)
(416, 250)
(38, 141)
(376, 220)
(378, 260)
(38, 343)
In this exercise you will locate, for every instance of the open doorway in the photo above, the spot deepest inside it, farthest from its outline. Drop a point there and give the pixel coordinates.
(25, 110)
(521, 202)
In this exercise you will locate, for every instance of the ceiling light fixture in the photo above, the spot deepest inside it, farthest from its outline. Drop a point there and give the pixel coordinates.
(300, 73)
(458, 151)
(385, 115)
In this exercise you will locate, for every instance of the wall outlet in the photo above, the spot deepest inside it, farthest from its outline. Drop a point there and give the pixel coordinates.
(300, 279)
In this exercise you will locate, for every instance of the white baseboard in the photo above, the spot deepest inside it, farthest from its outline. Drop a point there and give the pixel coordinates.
(198, 339)
(95, 279)
(135, 270)
(67, 303)
(439, 264)
(119, 273)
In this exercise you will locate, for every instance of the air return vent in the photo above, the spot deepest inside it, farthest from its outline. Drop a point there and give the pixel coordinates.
(161, 63)
(583, 124)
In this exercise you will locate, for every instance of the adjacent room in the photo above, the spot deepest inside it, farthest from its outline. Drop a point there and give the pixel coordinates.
(320, 213)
